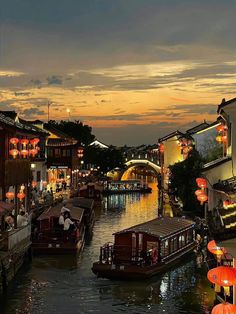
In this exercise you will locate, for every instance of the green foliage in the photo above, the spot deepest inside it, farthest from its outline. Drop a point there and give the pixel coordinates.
(75, 129)
(183, 181)
(213, 151)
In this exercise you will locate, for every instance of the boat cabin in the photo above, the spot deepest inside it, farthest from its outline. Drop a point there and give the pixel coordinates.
(49, 236)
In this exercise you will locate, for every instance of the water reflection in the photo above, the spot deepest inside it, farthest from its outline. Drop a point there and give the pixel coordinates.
(60, 284)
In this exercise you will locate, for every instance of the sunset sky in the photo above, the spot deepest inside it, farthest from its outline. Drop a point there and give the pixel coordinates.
(134, 70)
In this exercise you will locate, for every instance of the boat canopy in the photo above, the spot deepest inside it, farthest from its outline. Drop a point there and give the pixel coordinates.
(81, 202)
(161, 227)
(75, 212)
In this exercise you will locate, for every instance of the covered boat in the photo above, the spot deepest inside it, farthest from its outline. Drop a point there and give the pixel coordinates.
(50, 238)
(146, 249)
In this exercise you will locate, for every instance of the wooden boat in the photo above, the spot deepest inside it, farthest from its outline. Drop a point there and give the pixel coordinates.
(50, 238)
(91, 190)
(126, 186)
(146, 249)
(89, 214)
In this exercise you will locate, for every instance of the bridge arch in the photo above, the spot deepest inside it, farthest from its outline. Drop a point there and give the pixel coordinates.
(141, 162)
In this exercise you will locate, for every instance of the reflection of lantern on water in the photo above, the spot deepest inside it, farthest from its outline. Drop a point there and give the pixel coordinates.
(224, 308)
(10, 195)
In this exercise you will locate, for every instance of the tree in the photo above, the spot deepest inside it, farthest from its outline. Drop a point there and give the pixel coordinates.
(76, 130)
(183, 181)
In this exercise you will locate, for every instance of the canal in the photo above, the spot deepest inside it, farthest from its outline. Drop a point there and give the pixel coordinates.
(67, 285)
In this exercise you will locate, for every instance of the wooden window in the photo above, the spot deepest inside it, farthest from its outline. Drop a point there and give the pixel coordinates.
(57, 152)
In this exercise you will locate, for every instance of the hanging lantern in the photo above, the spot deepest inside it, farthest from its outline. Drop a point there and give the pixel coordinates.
(10, 195)
(201, 183)
(34, 141)
(14, 141)
(34, 184)
(224, 308)
(80, 152)
(224, 138)
(14, 152)
(214, 249)
(161, 148)
(219, 138)
(222, 276)
(20, 195)
(24, 141)
(220, 128)
(226, 203)
(202, 198)
(33, 152)
(199, 192)
(24, 153)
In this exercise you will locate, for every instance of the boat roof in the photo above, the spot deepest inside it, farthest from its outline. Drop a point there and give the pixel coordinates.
(161, 227)
(55, 211)
(81, 202)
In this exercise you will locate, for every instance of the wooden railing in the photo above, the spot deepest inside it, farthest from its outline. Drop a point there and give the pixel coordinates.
(11, 239)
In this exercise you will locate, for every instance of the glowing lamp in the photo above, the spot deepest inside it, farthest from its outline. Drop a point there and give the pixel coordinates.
(34, 184)
(201, 183)
(219, 138)
(214, 249)
(202, 198)
(224, 308)
(33, 152)
(226, 203)
(220, 128)
(20, 195)
(24, 141)
(14, 152)
(80, 152)
(199, 192)
(24, 153)
(222, 276)
(10, 195)
(161, 148)
(14, 141)
(34, 141)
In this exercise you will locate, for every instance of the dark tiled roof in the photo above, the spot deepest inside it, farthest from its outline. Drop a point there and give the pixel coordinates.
(160, 227)
(60, 142)
(10, 114)
(19, 125)
(166, 137)
(76, 212)
(225, 103)
(57, 132)
(198, 128)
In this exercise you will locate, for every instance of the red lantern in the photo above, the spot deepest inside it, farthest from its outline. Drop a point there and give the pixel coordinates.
(14, 152)
(220, 128)
(24, 153)
(214, 249)
(202, 198)
(161, 148)
(33, 152)
(34, 141)
(20, 195)
(24, 141)
(222, 276)
(199, 192)
(34, 184)
(14, 141)
(201, 183)
(224, 308)
(226, 203)
(10, 195)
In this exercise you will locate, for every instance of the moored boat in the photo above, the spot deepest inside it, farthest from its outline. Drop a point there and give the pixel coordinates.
(50, 238)
(147, 249)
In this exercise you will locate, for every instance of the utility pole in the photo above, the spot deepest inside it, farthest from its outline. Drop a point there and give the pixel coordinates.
(49, 104)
